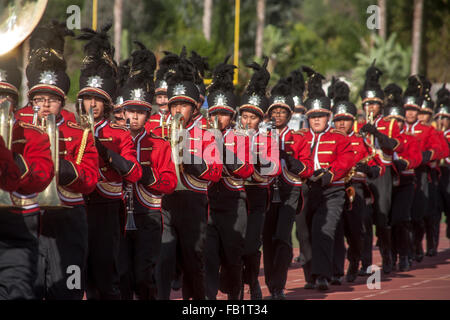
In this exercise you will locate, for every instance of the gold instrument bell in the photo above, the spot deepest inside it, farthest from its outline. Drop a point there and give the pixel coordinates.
(17, 20)
(6, 128)
(176, 139)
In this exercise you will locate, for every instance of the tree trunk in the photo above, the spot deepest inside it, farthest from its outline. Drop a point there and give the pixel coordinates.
(25, 47)
(383, 18)
(260, 15)
(118, 4)
(207, 13)
(417, 36)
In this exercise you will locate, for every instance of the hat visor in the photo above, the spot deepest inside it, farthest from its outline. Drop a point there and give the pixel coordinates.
(182, 99)
(130, 107)
(426, 111)
(411, 107)
(318, 113)
(252, 109)
(95, 92)
(225, 109)
(374, 100)
(45, 88)
(8, 88)
(343, 116)
(279, 105)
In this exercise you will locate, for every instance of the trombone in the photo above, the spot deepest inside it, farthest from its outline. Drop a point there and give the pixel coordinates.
(131, 225)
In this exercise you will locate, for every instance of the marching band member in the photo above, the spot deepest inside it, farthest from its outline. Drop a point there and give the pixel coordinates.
(63, 239)
(25, 169)
(286, 200)
(386, 138)
(227, 223)
(188, 205)
(254, 104)
(117, 163)
(442, 117)
(140, 248)
(333, 159)
(429, 147)
(403, 183)
(356, 209)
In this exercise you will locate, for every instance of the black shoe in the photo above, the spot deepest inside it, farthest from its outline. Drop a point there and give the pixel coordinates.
(176, 284)
(255, 291)
(352, 272)
(403, 265)
(336, 281)
(322, 284)
(278, 295)
(363, 272)
(387, 264)
(431, 253)
(419, 254)
(309, 285)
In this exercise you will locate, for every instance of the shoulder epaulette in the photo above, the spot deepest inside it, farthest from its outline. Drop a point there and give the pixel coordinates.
(116, 126)
(73, 125)
(30, 126)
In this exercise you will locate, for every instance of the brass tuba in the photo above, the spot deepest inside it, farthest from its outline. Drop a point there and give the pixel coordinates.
(176, 126)
(6, 129)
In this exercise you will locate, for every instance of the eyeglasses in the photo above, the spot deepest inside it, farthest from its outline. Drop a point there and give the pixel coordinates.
(43, 100)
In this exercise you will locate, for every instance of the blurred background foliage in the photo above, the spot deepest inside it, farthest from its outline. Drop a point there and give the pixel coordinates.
(330, 36)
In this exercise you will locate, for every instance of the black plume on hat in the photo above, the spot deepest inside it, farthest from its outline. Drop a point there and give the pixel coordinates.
(317, 100)
(280, 95)
(46, 69)
(297, 83)
(254, 98)
(427, 103)
(201, 65)
(139, 88)
(394, 102)
(371, 91)
(99, 70)
(443, 102)
(10, 75)
(122, 75)
(412, 97)
(166, 65)
(220, 92)
(338, 91)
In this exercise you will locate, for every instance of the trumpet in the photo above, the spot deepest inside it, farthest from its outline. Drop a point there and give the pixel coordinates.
(131, 225)
(176, 126)
(6, 130)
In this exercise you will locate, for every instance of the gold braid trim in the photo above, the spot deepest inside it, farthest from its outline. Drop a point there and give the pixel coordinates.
(82, 146)
(390, 127)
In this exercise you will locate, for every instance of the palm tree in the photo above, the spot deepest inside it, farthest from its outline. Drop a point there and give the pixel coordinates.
(207, 12)
(260, 15)
(118, 4)
(417, 36)
(383, 16)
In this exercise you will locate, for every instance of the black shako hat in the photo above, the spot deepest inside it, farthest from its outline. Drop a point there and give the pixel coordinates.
(181, 83)
(166, 66)
(297, 82)
(393, 102)
(427, 103)
(442, 103)
(280, 96)
(254, 98)
(139, 88)
(317, 101)
(46, 69)
(221, 97)
(372, 91)
(413, 95)
(122, 75)
(339, 93)
(99, 70)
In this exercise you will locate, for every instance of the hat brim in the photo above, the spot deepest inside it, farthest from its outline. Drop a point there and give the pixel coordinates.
(46, 88)
(252, 109)
(343, 116)
(318, 112)
(96, 92)
(182, 99)
(216, 109)
(137, 105)
(279, 105)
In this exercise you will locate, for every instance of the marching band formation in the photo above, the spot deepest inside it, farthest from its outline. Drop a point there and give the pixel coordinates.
(142, 194)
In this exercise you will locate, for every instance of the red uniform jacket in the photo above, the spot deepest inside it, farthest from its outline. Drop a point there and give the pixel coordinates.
(295, 143)
(411, 154)
(34, 171)
(361, 150)
(26, 114)
(428, 140)
(84, 159)
(447, 140)
(443, 151)
(391, 129)
(266, 149)
(200, 121)
(153, 151)
(117, 139)
(202, 144)
(331, 150)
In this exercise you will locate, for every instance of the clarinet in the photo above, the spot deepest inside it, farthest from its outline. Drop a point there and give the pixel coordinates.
(276, 189)
(131, 225)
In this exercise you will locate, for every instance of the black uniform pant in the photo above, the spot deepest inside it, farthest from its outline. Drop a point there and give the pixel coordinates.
(187, 233)
(444, 193)
(420, 206)
(167, 261)
(352, 227)
(139, 252)
(401, 216)
(63, 249)
(104, 228)
(225, 239)
(277, 240)
(19, 247)
(381, 188)
(257, 199)
(433, 218)
(322, 213)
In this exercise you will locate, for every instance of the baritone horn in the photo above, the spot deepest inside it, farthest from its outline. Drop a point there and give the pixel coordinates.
(6, 129)
(176, 128)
